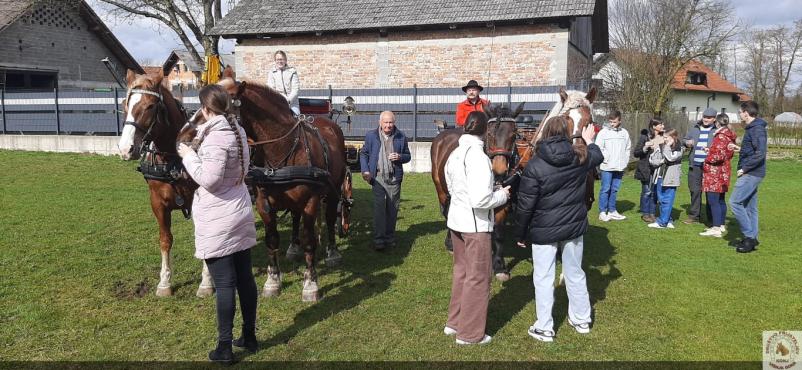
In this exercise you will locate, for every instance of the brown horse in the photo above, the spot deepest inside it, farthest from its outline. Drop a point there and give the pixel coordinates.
(500, 147)
(304, 167)
(153, 120)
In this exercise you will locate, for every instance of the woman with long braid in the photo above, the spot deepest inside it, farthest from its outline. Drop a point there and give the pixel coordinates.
(221, 212)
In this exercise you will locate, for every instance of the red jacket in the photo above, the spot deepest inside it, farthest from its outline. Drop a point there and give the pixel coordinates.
(717, 169)
(466, 107)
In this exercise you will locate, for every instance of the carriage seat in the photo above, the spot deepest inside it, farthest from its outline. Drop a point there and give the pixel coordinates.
(525, 122)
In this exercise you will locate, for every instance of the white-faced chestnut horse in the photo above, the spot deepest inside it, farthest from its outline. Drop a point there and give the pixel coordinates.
(153, 118)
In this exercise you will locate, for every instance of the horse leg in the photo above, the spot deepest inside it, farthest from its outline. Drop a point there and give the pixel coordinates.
(294, 251)
(163, 217)
(272, 287)
(333, 256)
(499, 266)
(309, 241)
(206, 287)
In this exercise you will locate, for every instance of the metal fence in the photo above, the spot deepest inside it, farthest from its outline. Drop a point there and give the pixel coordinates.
(99, 112)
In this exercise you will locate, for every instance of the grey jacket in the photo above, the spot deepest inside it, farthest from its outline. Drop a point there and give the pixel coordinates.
(286, 82)
(668, 165)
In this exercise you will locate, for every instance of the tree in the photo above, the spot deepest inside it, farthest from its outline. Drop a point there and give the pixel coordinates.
(191, 20)
(772, 55)
(653, 40)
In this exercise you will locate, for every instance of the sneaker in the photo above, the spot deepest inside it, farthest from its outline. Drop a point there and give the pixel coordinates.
(583, 328)
(604, 217)
(670, 225)
(655, 225)
(616, 216)
(541, 335)
(713, 231)
(484, 340)
(648, 218)
(723, 229)
(449, 331)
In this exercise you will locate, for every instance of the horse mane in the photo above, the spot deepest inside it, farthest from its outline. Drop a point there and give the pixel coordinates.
(275, 101)
(575, 98)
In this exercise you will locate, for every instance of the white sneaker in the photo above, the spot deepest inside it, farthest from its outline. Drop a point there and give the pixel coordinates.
(484, 340)
(616, 216)
(449, 331)
(541, 335)
(723, 229)
(670, 225)
(604, 217)
(713, 231)
(580, 328)
(655, 225)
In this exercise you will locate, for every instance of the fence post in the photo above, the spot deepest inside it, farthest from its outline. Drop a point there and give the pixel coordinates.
(58, 115)
(415, 112)
(3, 106)
(509, 93)
(117, 110)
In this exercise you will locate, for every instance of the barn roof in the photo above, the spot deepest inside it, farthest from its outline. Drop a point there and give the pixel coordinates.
(12, 10)
(282, 17)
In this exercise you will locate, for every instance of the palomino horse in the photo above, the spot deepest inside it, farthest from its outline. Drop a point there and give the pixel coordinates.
(304, 167)
(153, 120)
(499, 146)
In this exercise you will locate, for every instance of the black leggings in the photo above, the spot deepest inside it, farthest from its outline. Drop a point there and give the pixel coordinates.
(229, 273)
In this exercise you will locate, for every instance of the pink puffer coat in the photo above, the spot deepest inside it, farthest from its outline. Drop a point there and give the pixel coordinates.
(221, 211)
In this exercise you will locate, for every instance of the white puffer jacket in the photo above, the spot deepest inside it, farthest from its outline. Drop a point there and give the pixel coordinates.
(469, 178)
(286, 82)
(615, 145)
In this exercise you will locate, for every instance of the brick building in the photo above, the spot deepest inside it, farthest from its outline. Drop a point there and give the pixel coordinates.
(48, 44)
(398, 43)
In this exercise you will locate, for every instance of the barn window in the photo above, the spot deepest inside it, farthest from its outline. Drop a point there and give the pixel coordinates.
(696, 78)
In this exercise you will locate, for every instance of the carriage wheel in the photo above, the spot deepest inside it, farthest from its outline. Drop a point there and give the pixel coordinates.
(344, 207)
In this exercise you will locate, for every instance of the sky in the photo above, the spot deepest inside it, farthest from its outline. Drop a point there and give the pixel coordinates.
(148, 42)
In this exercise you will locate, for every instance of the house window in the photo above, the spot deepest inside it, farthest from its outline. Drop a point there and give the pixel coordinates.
(29, 80)
(696, 78)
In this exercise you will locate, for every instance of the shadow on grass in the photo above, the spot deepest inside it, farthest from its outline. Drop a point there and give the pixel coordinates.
(624, 206)
(598, 257)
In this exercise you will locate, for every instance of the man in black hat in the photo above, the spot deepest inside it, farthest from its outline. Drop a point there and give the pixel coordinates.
(472, 102)
(698, 139)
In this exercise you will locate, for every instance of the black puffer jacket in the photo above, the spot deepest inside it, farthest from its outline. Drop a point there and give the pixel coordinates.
(551, 195)
(644, 170)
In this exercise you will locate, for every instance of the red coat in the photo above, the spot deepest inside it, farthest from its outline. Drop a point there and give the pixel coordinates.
(716, 170)
(465, 108)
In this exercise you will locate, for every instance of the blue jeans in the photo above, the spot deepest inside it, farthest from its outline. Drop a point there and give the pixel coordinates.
(648, 205)
(665, 196)
(744, 204)
(718, 208)
(610, 183)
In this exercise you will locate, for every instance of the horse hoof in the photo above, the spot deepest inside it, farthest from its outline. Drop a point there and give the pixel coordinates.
(204, 292)
(310, 295)
(164, 292)
(295, 252)
(503, 276)
(334, 258)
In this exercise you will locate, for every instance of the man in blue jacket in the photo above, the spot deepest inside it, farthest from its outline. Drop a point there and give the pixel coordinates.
(380, 159)
(751, 171)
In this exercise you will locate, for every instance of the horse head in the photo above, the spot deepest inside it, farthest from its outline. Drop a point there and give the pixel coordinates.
(501, 136)
(576, 107)
(146, 116)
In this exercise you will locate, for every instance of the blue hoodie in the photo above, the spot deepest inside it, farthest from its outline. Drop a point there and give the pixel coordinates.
(752, 158)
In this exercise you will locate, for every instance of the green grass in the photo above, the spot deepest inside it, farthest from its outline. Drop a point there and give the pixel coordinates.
(79, 263)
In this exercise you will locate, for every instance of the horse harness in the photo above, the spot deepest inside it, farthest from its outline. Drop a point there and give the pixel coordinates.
(155, 164)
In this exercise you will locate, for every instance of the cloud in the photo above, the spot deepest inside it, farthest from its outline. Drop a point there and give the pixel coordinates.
(761, 14)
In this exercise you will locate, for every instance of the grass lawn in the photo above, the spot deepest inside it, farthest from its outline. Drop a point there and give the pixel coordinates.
(80, 262)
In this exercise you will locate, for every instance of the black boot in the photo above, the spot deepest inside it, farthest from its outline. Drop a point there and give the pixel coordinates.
(747, 246)
(247, 341)
(223, 353)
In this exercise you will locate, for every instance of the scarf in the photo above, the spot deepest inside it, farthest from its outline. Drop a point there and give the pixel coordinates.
(385, 165)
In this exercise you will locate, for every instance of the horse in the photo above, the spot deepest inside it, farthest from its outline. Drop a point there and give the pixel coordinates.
(500, 141)
(305, 166)
(153, 120)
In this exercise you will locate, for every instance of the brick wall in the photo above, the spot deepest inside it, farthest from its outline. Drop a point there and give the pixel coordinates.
(523, 55)
(63, 43)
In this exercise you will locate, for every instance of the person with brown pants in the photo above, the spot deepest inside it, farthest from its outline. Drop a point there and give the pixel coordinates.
(470, 221)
